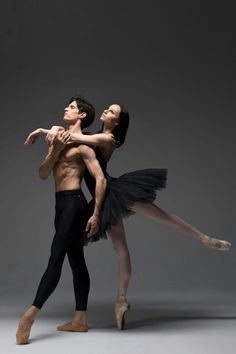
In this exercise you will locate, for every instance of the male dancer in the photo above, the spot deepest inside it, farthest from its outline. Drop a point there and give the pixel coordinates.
(68, 163)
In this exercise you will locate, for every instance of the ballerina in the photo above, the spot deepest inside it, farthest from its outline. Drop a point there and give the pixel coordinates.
(130, 193)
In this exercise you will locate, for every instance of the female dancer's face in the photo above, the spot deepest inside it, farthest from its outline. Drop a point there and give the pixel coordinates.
(111, 115)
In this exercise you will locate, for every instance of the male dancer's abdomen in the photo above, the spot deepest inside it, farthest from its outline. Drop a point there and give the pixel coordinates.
(67, 177)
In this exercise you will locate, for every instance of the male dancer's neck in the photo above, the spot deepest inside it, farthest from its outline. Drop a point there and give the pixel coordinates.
(75, 128)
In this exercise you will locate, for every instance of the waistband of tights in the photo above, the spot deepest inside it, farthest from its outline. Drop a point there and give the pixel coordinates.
(69, 192)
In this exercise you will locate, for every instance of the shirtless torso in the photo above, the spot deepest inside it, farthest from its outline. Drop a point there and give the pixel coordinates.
(68, 163)
(69, 169)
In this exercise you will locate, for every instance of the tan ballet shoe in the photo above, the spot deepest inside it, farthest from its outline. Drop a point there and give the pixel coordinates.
(73, 327)
(121, 307)
(214, 243)
(22, 334)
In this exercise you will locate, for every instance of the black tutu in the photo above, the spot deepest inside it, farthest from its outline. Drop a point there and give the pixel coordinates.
(123, 192)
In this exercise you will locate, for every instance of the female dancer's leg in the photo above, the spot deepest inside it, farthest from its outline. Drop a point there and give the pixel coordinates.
(157, 214)
(117, 235)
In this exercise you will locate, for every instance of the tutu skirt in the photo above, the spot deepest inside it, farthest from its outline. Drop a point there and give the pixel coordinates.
(123, 192)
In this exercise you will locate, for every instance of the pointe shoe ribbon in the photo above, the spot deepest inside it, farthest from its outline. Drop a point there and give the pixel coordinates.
(22, 334)
(73, 327)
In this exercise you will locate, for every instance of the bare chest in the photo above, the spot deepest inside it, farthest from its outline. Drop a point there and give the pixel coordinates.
(70, 155)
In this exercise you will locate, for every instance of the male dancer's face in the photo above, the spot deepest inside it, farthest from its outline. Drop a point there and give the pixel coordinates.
(72, 113)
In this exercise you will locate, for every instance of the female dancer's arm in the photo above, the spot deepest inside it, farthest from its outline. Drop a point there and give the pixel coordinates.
(94, 139)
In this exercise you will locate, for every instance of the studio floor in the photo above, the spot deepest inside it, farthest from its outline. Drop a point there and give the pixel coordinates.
(149, 329)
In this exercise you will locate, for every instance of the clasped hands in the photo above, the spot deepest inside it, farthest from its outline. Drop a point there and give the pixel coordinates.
(56, 136)
(59, 141)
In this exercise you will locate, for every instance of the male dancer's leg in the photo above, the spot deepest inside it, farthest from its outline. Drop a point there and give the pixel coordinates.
(70, 206)
(81, 284)
(81, 279)
(80, 272)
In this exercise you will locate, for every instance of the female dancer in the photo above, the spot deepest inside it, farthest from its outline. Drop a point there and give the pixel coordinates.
(132, 192)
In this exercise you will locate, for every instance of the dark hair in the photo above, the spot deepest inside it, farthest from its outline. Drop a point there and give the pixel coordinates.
(86, 107)
(120, 130)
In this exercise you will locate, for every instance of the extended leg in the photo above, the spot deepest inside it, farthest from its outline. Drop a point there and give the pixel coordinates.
(157, 214)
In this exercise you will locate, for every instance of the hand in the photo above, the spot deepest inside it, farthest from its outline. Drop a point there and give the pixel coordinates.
(92, 226)
(32, 137)
(61, 140)
(75, 137)
(51, 136)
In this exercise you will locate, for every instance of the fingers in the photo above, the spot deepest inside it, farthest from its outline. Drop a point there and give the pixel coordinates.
(54, 134)
(64, 136)
(53, 138)
(90, 229)
(93, 230)
(30, 139)
(67, 137)
(61, 139)
(26, 142)
(90, 233)
(92, 226)
(50, 138)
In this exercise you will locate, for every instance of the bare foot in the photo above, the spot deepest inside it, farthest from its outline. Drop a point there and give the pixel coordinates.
(214, 243)
(23, 330)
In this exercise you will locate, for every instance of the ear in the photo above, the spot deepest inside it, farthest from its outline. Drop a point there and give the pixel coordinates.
(82, 114)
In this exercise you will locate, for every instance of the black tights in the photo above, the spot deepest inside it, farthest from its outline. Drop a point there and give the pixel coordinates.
(70, 222)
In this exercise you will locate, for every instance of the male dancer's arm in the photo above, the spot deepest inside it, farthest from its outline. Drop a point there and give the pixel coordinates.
(49, 133)
(51, 158)
(92, 164)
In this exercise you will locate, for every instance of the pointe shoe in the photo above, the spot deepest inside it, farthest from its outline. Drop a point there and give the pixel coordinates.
(214, 243)
(73, 327)
(22, 335)
(121, 307)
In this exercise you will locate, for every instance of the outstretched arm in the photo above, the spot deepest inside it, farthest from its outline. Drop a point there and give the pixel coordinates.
(34, 135)
(89, 158)
(50, 134)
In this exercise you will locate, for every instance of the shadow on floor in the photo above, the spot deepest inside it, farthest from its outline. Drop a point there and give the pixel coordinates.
(101, 316)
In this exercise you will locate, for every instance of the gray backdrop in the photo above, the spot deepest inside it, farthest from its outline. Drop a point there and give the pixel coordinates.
(172, 63)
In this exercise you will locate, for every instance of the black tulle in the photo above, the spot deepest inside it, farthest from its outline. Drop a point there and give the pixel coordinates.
(123, 192)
